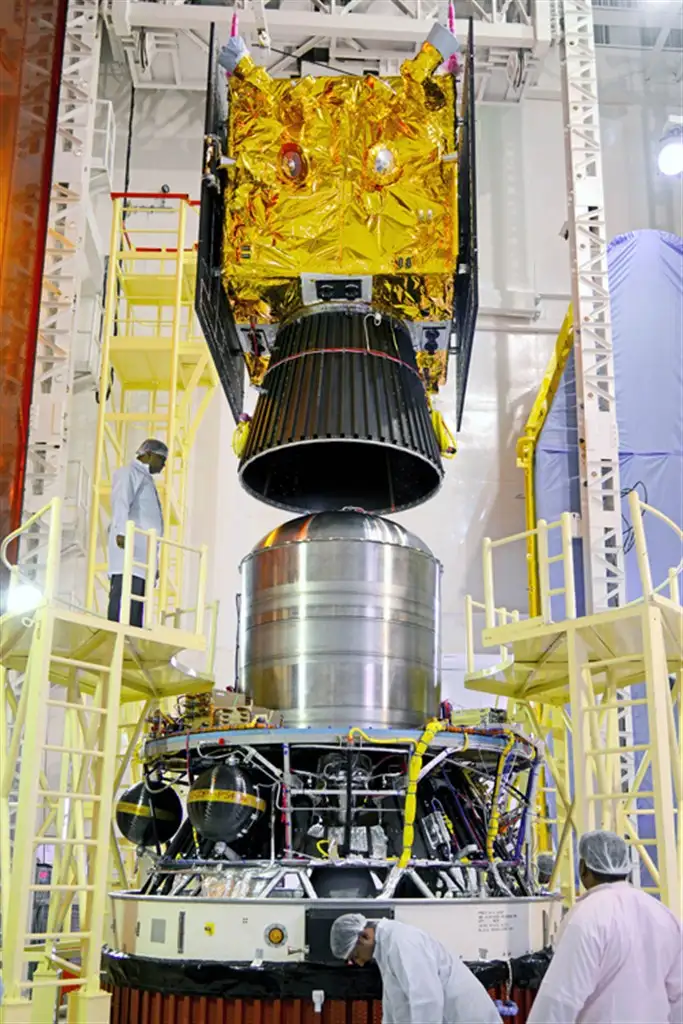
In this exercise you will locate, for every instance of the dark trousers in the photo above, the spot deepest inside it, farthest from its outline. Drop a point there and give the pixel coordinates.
(136, 607)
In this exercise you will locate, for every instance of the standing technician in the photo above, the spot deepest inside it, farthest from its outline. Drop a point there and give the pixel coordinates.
(422, 983)
(134, 496)
(619, 956)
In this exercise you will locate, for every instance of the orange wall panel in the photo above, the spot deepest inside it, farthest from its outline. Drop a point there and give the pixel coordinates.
(31, 46)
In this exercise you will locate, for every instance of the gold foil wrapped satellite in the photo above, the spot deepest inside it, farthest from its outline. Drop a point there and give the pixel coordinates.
(337, 260)
(342, 176)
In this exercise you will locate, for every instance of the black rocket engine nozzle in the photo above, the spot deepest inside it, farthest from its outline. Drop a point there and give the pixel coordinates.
(343, 418)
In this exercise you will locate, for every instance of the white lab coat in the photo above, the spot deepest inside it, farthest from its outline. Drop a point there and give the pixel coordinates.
(425, 984)
(618, 960)
(133, 496)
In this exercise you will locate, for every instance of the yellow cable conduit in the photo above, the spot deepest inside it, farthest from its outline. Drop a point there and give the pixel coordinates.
(447, 443)
(495, 809)
(414, 768)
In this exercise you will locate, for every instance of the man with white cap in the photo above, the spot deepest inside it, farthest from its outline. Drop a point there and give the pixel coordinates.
(134, 496)
(422, 982)
(619, 954)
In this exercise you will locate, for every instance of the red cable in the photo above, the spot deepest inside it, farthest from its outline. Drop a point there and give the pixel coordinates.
(350, 351)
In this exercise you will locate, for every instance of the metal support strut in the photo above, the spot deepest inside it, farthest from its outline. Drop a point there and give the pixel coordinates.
(597, 417)
(46, 464)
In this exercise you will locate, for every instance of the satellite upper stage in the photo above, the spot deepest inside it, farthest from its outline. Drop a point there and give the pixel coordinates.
(342, 178)
(337, 258)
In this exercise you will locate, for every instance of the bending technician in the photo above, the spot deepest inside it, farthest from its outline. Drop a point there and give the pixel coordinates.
(134, 496)
(422, 982)
(619, 955)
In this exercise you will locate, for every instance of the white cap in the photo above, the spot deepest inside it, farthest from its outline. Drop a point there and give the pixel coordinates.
(152, 446)
(605, 852)
(344, 934)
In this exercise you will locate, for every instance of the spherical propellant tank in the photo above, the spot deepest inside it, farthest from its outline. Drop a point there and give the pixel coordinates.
(223, 803)
(146, 814)
(339, 623)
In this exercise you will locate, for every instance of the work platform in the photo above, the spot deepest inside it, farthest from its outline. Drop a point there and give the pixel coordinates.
(575, 679)
(85, 642)
(76, 691)
(611, 642)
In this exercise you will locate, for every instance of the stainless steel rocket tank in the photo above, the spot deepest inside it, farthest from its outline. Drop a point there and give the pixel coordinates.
(340, 622)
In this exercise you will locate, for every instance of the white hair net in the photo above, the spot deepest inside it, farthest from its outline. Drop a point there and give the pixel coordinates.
(344, 934)
(153, 447)
(605, 852)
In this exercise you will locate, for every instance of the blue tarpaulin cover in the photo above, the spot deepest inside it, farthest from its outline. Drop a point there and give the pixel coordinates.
(646, 291)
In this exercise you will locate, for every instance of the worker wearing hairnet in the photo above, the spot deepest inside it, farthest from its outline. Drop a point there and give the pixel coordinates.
(619, 954)
(134, 496)
(422, 982)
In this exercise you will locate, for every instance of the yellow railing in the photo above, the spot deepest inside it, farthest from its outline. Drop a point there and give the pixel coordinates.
(671, 583)
(18, 576)
(545, 560)
(155, 557)
(45, 591)
(502, 617)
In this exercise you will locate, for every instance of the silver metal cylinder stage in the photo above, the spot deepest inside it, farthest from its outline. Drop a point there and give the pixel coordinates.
(340, 623)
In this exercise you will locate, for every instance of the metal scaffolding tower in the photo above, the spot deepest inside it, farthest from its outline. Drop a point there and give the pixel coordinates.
(59, 750)
(595, 666)
(156, 378)
(597, 416)
(46, 466)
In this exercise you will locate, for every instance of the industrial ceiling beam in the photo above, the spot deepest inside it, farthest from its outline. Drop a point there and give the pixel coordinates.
(127, 15)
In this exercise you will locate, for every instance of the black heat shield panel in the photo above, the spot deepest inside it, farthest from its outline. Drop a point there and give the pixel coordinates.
(466, 304)
(211, 303)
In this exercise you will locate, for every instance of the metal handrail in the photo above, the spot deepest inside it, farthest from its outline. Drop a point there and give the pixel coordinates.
(54, 508)
(501, 616)
(155, 544)
(636, 507)
(540, 533)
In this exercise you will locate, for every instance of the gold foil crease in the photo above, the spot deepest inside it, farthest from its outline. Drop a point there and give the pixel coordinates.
(433, 367)
(341, 176)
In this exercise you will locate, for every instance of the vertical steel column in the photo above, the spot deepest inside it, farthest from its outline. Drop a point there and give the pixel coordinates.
(62, 272)
(597, 418)
(658, 697)
(601, 523)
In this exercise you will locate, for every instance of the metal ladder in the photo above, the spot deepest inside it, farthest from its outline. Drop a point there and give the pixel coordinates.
(52, 814)
(599, 750)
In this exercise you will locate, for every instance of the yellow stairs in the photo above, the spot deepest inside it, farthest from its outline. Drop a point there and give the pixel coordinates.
(157, 377)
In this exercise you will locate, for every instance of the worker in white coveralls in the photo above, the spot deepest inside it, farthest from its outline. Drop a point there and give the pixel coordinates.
(422, 982)
(134, 496)
(619, 954)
